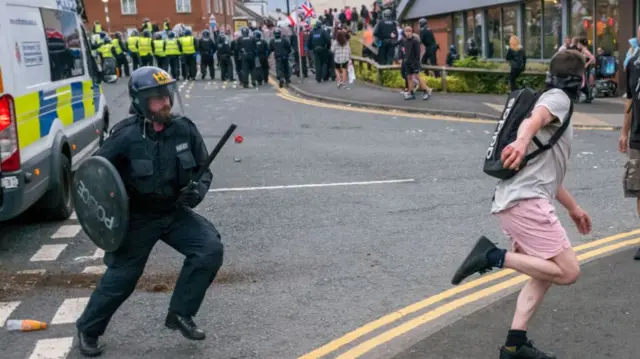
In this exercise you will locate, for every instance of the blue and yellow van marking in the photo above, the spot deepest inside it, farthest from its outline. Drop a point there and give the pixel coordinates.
(71, 103)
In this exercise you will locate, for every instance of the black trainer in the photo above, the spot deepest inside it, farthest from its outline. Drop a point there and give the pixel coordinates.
(527, 351)
(476, 261)
(89, 345)
(185, 325)
(637, 256)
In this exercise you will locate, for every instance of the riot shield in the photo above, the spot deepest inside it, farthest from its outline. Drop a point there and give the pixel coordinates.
(101, 203)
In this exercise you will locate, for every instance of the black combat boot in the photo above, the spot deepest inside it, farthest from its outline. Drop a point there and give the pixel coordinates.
(186, 325)
(476, 261)
(527, 351)
(89, 345)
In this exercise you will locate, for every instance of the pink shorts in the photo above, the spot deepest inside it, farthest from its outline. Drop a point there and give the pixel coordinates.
(534, 228)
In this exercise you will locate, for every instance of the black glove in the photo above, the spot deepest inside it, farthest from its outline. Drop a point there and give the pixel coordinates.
(189, 195)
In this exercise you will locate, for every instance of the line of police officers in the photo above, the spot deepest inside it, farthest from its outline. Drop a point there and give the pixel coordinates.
(249, 52)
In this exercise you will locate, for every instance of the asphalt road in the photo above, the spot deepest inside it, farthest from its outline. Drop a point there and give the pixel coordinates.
(303, 265)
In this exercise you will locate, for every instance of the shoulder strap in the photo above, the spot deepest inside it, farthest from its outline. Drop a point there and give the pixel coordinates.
(554, 139)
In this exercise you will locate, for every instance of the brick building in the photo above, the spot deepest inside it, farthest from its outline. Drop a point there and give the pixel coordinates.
(125, 15)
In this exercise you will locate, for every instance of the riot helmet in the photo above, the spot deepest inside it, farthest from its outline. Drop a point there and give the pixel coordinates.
(386, 14)
(277, 33)
(258, 35)
(423, 22)
(205, 34)
(244, 31)
(187, 32)
(152, 92)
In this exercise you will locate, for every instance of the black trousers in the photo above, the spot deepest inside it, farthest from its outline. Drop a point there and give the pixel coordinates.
(321, 62)
(146, 60)
(189, 67)
(283, 70)
(135, 59)
(174, 63)
(185, 231)
(226, 68)
(206, 62)
(238, 63)
(248, 64)
(123, 65)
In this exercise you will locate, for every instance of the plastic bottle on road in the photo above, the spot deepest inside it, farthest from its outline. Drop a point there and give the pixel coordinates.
(26, 325)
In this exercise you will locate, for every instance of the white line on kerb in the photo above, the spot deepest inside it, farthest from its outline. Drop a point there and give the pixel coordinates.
(311, 185)
(70, 310)
(56, 348)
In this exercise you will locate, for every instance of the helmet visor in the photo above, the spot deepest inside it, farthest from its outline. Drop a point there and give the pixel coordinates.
(157, 103)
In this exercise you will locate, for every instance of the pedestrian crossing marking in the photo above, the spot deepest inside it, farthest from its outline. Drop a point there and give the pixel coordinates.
(33, 271)
(95, 269)
(6, 308)
(67, 231)
(48, 252)
(56, 348)
(70, 310)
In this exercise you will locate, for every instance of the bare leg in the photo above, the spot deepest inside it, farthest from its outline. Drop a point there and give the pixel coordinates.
(562, 269)
(528, 302)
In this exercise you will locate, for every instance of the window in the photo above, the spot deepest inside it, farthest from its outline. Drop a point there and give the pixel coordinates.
(494, 33)
(93, 66)
(509, 25)
(183, 5)
(582, 19)
(552, 28)
(64, 44)
(607, 26)
(474, 28)
(128, 7)
(458, 24)
(532, 27)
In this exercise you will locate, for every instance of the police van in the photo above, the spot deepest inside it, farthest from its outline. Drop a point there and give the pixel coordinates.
(53, 112)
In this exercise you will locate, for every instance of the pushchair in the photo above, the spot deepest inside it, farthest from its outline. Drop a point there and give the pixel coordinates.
(605, 76)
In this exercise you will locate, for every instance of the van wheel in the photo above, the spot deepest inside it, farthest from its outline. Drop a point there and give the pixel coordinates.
(57, 203)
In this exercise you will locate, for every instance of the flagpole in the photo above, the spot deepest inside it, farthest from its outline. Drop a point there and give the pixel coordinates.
(300, 39)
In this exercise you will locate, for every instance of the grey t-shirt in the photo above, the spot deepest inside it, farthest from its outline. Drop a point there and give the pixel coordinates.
(542, 176)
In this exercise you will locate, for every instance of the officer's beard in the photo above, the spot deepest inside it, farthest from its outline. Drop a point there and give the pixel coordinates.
(162, 116)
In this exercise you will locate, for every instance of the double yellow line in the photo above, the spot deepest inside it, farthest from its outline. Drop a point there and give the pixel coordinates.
(441, 310)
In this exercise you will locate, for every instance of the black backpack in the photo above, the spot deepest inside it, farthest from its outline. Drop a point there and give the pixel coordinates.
(519, 106)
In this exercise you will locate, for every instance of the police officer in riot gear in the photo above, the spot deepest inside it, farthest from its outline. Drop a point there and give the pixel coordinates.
(156, 153)
(247, 48)
(429, 42)
(237, 58)
(145, 49)
(158, 48)
(224, 58)
(121, 58)
(207, 48)
(319, 43)
(173, 50)
(387, 34)
(134, 52)
(262, 61)
(281, 49)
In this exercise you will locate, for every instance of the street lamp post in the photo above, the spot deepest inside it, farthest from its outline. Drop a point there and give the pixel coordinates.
(106, 14)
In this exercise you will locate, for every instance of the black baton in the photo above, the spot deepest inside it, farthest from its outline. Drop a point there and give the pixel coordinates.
(215, 152)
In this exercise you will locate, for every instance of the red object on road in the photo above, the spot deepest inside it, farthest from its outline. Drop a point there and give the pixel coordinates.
(239, 139)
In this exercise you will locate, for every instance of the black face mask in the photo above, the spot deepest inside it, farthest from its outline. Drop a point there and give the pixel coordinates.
(570, 84)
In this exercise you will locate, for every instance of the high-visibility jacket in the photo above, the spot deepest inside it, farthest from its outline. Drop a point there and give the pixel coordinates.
(166, 26)
(105, 50)
(158, 47)
(132, 43)
(148, 26)
(172, 47)
(188, 45)
(97, 28)
(117, 46)
(144, 46)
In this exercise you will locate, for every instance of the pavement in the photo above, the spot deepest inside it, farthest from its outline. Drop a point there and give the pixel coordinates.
(331, 218)
(602, 112)
(595, 318)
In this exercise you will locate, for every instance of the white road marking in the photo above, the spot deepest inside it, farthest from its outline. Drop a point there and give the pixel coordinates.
(313, 185)
(95, 269)
(74, 215)
(57, 348)
(67, 231)
(70, 310)
(48, 252)
(6, 308)
(99, 253)
(33, 271)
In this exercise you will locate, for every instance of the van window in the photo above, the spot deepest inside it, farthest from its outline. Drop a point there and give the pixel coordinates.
(63, 43)
(92, 65)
